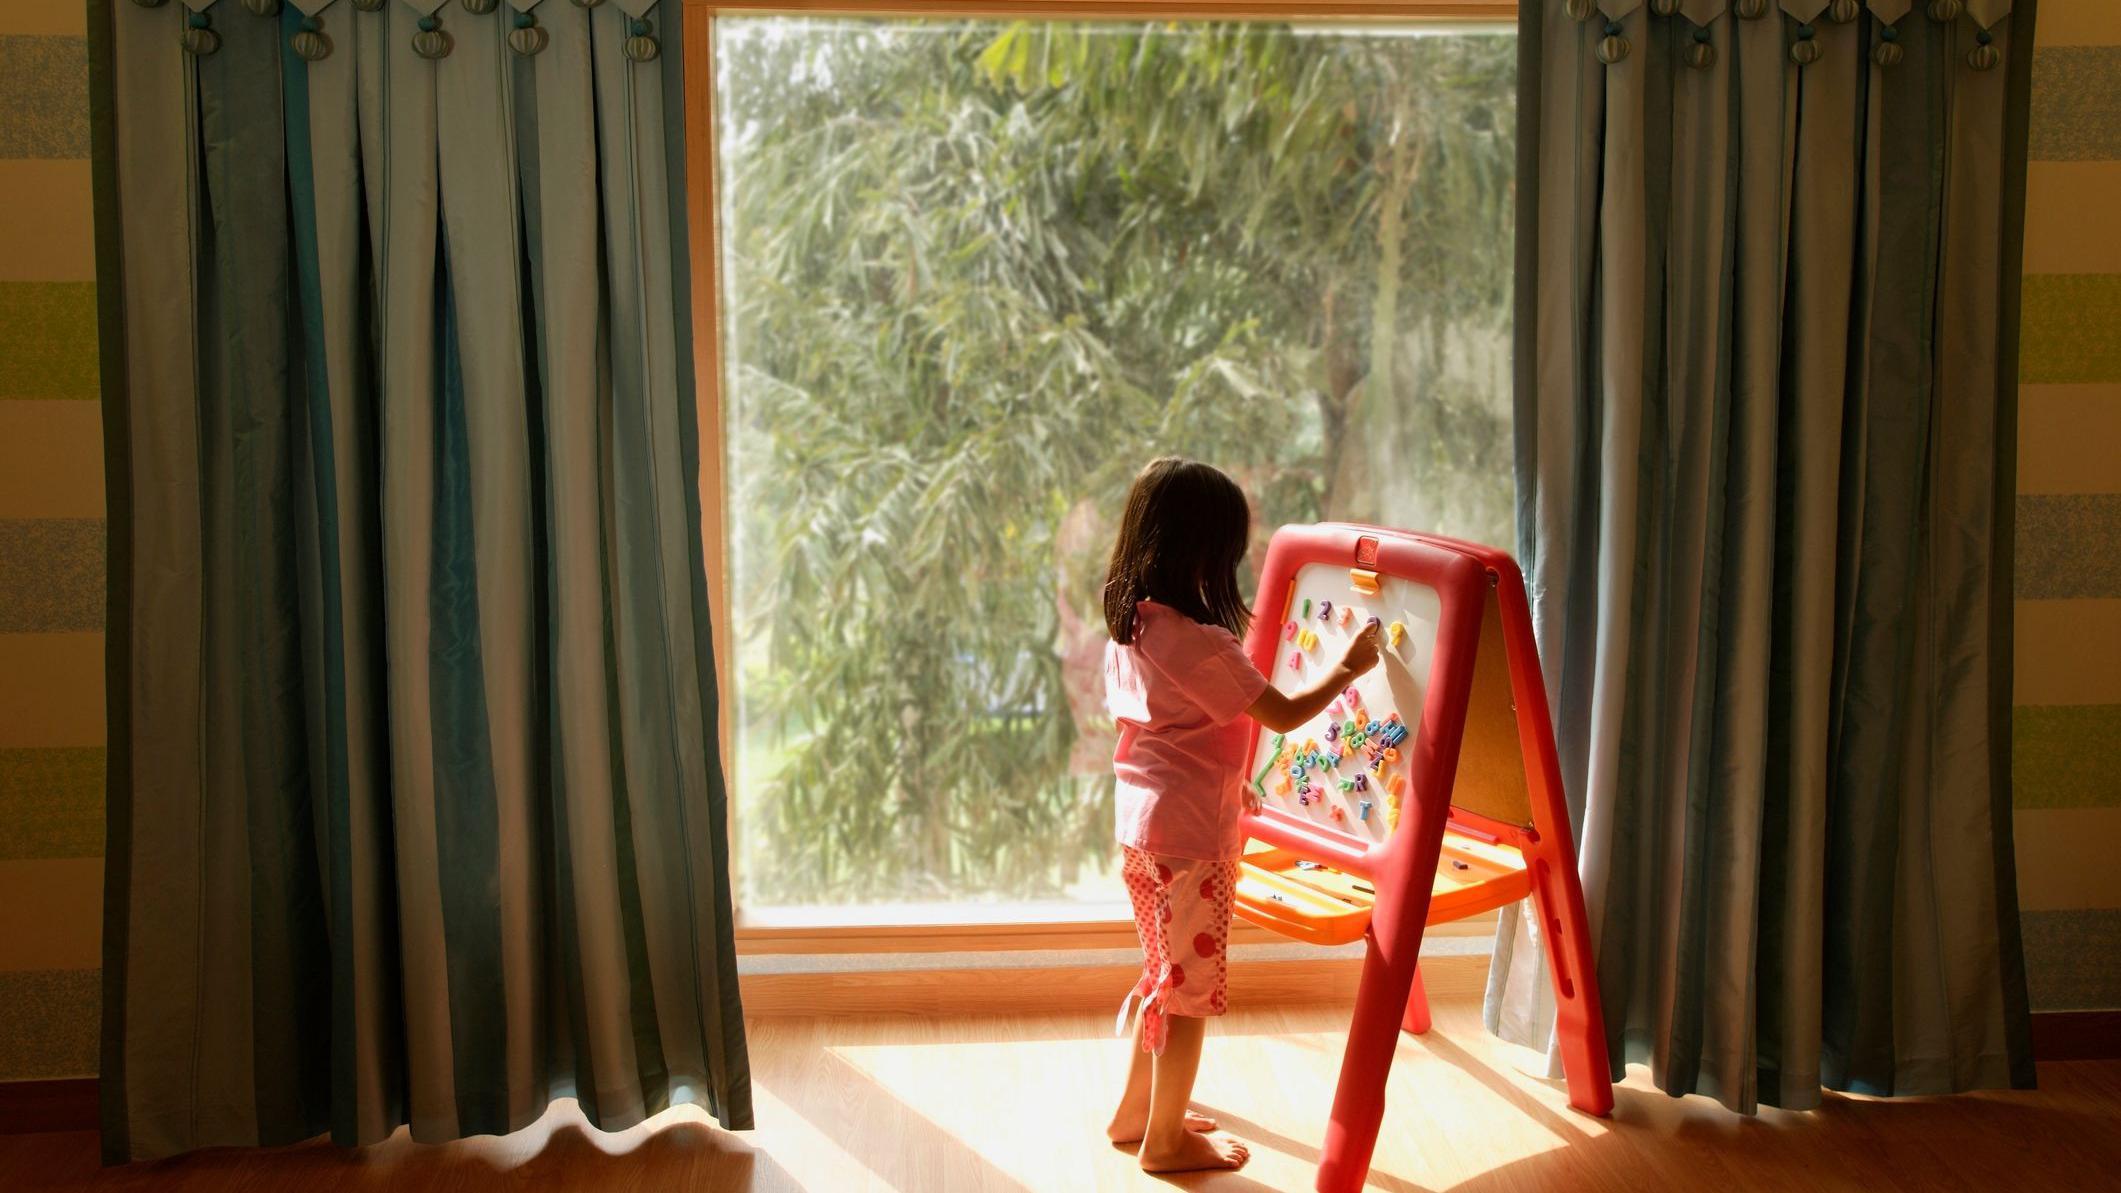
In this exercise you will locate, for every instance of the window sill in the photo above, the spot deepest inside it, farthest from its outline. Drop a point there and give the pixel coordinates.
(959, 928)
(933, 928)
(1048, 983)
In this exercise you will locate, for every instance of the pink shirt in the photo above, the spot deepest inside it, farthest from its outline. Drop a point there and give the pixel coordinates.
(1180, 690)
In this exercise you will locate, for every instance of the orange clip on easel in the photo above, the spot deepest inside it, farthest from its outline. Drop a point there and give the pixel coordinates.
(1359, 839)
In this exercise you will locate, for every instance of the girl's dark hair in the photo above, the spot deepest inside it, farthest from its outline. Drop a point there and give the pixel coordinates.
(1184, 532)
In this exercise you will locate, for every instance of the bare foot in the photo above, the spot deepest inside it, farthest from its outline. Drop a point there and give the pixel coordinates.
(1129, 1124)
(1195, 1151)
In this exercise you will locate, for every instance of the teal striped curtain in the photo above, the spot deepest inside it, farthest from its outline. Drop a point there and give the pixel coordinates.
(1766, 400)
(416, 813)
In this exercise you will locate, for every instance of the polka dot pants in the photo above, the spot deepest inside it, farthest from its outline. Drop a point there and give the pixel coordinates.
(1182, 911)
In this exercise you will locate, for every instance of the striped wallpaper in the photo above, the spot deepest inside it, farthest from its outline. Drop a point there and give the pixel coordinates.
(2067, 728)
(51, 551)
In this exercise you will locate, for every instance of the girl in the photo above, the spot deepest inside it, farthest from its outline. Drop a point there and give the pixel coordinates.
(1178, 682)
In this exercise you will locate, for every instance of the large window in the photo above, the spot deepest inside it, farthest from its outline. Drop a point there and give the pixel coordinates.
(973, 275)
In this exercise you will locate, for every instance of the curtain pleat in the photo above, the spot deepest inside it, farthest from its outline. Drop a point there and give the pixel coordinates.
(425, 822)
(154, 152)
(334, 300)
(1762, 307)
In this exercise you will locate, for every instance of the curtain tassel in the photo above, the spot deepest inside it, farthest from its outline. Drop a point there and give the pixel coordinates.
(1702, 54)
(642, 47)
(310, 44)
(1805, 51)
(1887, 51)
(432, 41)
(527, 38)
(199, 37)
(1984, 56)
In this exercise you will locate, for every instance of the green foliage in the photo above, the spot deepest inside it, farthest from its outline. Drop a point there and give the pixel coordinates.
(976, 275)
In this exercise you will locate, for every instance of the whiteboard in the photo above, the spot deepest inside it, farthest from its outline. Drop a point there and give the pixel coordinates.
(1397, 684)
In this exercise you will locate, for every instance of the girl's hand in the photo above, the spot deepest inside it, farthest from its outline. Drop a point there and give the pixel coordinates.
(1287, 714)
(1362, 651)
(1252, 801)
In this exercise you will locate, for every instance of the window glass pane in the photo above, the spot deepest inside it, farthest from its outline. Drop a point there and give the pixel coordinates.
(974, 275)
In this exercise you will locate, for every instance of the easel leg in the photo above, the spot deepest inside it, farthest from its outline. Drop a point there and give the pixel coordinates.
(1417, 1020)
(1578, 1025)
(1359, 1101)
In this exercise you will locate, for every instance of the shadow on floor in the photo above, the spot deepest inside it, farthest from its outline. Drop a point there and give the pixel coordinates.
(1970, 1142)
(560, 1153)
(683, 1153)
(1309, 1153)
(2062, 1136)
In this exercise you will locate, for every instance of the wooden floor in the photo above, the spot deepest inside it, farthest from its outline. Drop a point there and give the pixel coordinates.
(1015, 1105)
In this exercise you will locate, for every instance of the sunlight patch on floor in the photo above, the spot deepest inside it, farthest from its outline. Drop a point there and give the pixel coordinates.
(809, 1152)
(1035, 1110)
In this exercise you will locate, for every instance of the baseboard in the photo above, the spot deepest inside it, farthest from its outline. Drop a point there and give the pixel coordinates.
(1068, 989)
(786, 931)
(2077, 1035)
(34, 1107)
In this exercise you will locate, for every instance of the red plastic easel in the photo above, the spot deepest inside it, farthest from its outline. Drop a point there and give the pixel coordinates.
(1481, 775)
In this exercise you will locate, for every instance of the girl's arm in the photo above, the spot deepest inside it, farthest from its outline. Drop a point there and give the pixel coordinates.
(1284, 714)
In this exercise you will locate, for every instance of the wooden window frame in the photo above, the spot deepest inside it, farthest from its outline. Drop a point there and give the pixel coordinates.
(974, 932)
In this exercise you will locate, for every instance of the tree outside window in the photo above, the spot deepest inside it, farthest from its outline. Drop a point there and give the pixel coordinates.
(974, 276)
